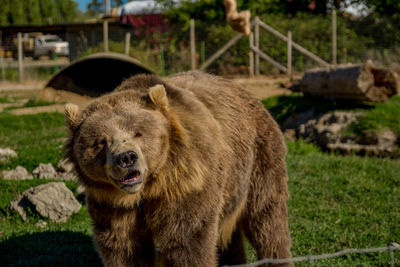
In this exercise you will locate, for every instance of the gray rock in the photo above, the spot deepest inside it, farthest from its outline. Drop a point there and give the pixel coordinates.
(387, 139)
(6, 154)
(19, 204)
(41, 224)
(45, 171)
(19, 173)
(66, 176)
(327, 128)
(326, 131)
(52, 200)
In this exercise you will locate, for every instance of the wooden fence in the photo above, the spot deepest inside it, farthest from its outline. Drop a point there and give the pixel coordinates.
(256, 52)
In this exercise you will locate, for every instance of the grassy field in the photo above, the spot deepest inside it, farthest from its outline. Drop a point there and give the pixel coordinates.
(336, 202)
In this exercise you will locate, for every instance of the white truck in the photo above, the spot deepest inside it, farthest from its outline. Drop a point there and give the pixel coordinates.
(36, 45)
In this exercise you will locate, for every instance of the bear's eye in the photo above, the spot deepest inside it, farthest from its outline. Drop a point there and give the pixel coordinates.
(99, 143)
(138, 134)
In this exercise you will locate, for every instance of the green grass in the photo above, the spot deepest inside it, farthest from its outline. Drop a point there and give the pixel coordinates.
(65, 244)
(342, 202)
(36, 138)
(381, 116)
(39, 73)
(37, 103)
(335, 202)
(282, 107)
(5, 99)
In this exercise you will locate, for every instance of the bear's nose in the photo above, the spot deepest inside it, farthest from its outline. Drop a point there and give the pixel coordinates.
(126, 159)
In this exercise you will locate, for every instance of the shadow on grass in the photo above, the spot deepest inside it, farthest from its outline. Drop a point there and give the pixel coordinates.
(282, 107)
(53, 248)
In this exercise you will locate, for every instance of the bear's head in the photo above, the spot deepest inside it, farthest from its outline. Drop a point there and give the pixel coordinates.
(120, 139)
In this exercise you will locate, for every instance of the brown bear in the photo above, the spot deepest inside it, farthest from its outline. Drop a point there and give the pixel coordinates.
(190, 163)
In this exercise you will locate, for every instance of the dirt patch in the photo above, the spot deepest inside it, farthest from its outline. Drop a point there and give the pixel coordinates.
(27, 89)
(265, 86)
(41, 109)
(52, 95)
(260, 86)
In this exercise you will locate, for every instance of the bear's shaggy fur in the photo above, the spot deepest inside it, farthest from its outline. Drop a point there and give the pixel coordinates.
(189, 162)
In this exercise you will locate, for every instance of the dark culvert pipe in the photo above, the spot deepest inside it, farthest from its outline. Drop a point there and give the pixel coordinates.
(96, 74)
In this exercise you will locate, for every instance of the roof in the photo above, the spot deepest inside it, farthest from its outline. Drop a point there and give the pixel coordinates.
(142, 7)
(52, 28)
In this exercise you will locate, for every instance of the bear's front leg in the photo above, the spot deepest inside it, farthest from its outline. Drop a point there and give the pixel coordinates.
(196, 249)
(121, 236)
(187, 233)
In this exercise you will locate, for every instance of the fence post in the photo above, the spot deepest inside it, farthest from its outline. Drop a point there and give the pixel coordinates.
(55, 57)
(127, 42)
(192, 45)
(257, 44)
(334, 37)
(310, 260)
(2, 55)
(251, 55)
(391, 256)
(289, 55)
(20, 56)
(162, 59)
(105, 35)
(3, 74)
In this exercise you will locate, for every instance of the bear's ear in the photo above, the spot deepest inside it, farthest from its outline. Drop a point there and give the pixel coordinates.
(158, 96)
(72, 114)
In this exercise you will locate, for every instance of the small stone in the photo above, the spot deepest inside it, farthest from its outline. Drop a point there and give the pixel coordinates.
(52, 200)
(66, 176)
(387, 139)
(6, 154)
(19, 173)
(41, 224)
(45, 171)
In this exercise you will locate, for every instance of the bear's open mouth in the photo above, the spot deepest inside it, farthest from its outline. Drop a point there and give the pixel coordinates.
(133, 177)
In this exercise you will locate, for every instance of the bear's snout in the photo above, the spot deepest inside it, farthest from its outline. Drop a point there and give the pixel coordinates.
(126, 159)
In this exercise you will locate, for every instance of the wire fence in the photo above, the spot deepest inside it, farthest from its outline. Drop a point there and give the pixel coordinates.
(312, 258)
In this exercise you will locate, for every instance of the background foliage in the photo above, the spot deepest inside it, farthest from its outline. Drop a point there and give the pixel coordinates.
(34, 12)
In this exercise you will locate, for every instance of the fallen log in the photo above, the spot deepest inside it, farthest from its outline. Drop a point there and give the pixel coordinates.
(358, 82)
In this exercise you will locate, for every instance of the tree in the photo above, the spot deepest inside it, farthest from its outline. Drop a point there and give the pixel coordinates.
(47, 9)
(32, 11)
(66, 10)
(18, 12)
(4, 12)
(386, 7)
(213, 10)
(95, 8)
